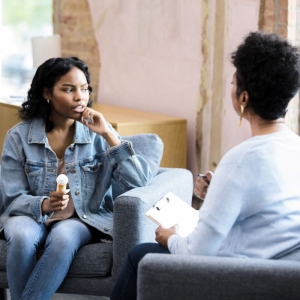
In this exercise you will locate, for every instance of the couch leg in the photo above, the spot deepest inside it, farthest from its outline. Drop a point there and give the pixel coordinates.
(3, 295)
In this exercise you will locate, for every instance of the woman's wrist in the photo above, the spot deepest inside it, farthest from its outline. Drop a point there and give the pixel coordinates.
(45, 207)
(111, 138)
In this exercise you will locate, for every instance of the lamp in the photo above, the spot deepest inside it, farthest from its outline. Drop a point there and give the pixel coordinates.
(44, 48)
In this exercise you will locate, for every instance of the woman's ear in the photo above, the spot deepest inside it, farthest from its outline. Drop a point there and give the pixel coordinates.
(244, 99)
(46, 93)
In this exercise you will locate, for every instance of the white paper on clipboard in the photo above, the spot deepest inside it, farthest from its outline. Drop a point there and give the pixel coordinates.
(170, 211)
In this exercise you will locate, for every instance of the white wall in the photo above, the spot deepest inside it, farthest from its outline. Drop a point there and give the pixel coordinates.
(150, 53)
(242, 17)
(150, 57)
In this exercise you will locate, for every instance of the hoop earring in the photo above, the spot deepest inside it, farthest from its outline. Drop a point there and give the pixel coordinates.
(241, 115)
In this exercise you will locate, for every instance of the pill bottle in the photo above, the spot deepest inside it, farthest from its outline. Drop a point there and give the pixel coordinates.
(61, 181)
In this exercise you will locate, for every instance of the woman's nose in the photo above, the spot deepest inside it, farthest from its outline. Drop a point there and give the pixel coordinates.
(78, 95)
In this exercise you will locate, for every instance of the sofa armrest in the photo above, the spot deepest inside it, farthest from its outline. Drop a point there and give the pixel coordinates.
(176, 277)
(131, 225)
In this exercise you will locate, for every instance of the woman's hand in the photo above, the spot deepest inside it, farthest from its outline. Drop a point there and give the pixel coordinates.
(202, 184)
(163, 234)
(58, 201)
(96, 122)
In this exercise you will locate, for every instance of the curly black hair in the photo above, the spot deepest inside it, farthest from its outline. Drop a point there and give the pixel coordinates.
(46, 76)
(268, 68)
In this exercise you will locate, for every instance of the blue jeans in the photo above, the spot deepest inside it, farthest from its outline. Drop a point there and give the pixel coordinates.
(29, 278)
(126, 284)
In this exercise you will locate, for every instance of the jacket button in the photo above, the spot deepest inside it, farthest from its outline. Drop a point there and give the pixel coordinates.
(77, 193)
(72, 147)
(72, 171)
(106, 229)
(84, 216)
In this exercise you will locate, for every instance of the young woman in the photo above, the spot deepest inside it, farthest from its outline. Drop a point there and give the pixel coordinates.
(60, 134)
(252, 205)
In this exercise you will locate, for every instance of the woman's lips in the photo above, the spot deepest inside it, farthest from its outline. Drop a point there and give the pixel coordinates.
(78, 108)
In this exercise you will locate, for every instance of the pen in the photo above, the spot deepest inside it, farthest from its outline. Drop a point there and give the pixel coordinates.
(203, 176)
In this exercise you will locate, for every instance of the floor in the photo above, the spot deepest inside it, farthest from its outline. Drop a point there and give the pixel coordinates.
(76, 297)
(71, 297)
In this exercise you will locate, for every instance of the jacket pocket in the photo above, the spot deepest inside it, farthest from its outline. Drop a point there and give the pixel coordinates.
(90, 175)
(34, 172)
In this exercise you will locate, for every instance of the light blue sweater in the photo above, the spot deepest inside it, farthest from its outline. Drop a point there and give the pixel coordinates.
(252, 208)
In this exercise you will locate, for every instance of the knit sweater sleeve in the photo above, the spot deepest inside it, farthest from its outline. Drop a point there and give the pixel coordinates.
(219, 212)
(252, 206)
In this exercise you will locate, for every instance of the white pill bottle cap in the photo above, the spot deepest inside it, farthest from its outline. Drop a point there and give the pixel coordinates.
(61, 181)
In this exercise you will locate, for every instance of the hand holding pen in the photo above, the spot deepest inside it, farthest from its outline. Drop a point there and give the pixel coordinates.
(202, 184)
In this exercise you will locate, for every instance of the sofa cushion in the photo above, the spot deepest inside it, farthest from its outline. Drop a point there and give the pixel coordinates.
(93, 260)
(3, 251)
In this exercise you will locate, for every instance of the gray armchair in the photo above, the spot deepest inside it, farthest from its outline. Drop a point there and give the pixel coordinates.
(96, 266)
(178, 277)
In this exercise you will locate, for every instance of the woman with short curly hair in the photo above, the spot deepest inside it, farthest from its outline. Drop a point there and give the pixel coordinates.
(268, 70)
(252, 202)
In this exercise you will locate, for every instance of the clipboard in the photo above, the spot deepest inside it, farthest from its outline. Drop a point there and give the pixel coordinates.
(172, 211)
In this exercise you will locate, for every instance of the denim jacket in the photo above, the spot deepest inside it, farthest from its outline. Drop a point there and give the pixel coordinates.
(29, 171)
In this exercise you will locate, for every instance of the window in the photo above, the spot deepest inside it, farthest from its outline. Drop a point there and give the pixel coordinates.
(20, 21)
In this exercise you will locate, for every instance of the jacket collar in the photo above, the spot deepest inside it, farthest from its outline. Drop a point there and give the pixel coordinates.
(37, 133)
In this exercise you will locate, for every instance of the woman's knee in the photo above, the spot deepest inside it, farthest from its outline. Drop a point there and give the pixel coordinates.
(23, 231)
(139, 251)
(69, 235)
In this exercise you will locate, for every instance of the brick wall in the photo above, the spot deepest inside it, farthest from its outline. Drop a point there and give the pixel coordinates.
(72, 20)
(283, 17)
(274, 16)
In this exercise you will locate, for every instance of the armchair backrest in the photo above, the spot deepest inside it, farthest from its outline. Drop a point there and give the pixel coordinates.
(148, 145)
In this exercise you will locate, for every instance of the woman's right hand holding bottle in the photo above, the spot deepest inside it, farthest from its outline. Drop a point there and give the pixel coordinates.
(58, 201)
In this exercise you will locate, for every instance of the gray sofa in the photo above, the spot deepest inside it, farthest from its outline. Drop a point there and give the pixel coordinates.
(96, 266)
(177, 277)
